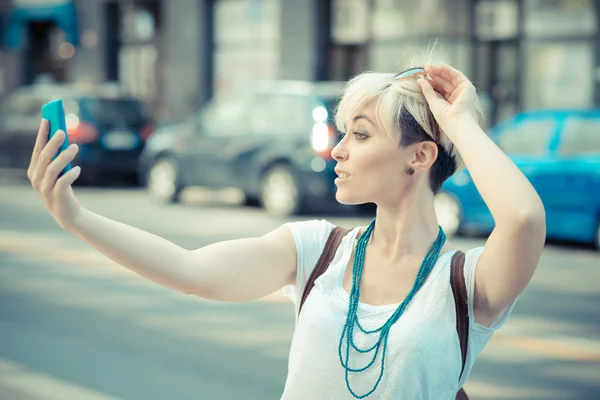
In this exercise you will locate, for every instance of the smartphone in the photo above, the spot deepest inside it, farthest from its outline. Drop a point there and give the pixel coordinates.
(54, 112)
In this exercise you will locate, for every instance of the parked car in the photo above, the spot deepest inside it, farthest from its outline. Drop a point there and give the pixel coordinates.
(273, 141)
(559, 152)
(110, 128)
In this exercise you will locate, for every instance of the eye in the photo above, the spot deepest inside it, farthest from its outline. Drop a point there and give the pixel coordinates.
(341, 134)
(360, 136)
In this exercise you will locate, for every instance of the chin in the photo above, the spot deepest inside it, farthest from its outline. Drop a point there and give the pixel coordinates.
(348, 199)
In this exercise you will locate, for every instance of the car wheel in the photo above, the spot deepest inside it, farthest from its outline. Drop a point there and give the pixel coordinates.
(280, 191)
(448, 211)
(163, 184)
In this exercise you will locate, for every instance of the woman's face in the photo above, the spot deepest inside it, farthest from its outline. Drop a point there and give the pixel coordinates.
(370, 164)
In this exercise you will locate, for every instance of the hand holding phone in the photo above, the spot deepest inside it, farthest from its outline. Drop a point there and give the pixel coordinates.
(54, 113)
(49, 160)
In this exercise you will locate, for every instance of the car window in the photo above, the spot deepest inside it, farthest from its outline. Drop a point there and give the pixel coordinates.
(280, 114)
(110, 111)
(580, 136)
(529, 137)
(264, 116)
(226, 115)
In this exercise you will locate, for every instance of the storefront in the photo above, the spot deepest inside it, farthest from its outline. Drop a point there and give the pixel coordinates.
(521, 54)
(246, 42)
(559, 54)
(41, 36)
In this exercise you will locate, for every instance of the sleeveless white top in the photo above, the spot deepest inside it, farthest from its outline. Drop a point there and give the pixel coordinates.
(423, 358)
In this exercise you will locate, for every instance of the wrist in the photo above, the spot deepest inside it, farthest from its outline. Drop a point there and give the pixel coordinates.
(457, 126)
(78, 222)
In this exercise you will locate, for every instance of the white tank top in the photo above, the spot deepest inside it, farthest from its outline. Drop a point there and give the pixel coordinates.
(423, 358)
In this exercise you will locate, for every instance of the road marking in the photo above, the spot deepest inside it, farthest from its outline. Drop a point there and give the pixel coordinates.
(18, 380)
(558, 347)
(486, 390)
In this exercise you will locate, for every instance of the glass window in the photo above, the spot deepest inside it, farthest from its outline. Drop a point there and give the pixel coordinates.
(265, 116)
(551, 78)
(581, 136)
(279, 114)
(110, 111)
(383, 55)
(399, 18)
(226, 115)
(527, 137)
(554, 18)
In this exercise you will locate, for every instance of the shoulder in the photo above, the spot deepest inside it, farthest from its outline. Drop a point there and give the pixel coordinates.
(310, 234)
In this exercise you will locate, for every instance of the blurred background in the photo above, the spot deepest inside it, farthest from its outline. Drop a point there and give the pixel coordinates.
(207, 120)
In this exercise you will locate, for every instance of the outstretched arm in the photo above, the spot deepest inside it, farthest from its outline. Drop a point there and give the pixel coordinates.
(235, 270)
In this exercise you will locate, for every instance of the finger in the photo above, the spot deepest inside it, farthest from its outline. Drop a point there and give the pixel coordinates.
(67, 180)
(442, 86)
(46, 156)
(40, 141)
(452, 74)
(430, 95)
(57, 166)
(436, 87)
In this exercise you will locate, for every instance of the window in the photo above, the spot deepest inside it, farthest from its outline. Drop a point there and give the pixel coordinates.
(581, 136)
(281, 114)
(550, 80)
(559, 18)
(526, 137)
(227, 115)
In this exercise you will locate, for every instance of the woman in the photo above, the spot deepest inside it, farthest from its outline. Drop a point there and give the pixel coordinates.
(381, 321)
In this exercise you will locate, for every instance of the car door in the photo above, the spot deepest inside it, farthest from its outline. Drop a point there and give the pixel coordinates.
(576, 201)
(218, 124)
(530, 141)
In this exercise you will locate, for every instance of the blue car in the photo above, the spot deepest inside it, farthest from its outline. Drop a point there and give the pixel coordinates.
(559, 152)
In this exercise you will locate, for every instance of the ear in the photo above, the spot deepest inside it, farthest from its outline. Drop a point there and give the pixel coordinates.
(425, 155)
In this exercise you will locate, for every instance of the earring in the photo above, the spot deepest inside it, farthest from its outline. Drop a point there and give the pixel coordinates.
(410, 171)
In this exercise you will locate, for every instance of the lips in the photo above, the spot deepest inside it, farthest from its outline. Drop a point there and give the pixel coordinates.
(342, 174)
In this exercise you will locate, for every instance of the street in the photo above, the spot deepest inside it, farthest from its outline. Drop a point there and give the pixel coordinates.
(74, 325)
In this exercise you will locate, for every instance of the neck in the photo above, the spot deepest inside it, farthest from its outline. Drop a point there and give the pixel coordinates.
(408, 226)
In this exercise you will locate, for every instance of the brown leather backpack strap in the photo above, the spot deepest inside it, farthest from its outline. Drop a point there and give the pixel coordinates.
(333, 242)
(459, 290)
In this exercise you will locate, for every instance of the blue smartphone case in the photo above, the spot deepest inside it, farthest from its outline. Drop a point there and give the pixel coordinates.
(54, 112)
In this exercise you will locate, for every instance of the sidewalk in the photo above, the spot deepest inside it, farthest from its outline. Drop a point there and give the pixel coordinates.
(20, 383)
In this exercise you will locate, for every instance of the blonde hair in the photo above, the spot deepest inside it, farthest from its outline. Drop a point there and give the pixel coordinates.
(391, 100)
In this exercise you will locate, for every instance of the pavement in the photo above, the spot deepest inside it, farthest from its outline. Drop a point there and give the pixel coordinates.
(74, 325)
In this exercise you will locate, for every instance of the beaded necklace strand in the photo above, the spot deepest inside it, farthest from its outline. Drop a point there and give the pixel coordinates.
(352, 318)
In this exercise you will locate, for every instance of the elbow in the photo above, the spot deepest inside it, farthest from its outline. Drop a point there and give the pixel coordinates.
(531, 220)
(527, 217)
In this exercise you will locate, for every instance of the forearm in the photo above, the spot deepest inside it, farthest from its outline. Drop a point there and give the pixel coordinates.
(508, 194)
(141, 252)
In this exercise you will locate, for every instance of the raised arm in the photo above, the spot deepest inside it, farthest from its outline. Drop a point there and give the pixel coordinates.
(235, 270)
(512, 252)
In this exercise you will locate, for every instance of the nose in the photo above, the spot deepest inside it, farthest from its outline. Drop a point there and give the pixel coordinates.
(339, 152)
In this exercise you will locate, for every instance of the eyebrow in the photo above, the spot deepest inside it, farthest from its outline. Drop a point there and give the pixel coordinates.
(363, 117)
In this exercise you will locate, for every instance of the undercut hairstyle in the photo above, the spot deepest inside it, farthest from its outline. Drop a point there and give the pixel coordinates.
(400, 105)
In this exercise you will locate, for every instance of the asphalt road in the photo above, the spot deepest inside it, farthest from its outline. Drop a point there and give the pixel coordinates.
(73, 325)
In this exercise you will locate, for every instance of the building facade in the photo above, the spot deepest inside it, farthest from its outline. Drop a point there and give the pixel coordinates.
(521, 54)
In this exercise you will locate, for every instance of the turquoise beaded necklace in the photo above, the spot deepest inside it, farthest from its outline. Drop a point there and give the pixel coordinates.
(352, 318)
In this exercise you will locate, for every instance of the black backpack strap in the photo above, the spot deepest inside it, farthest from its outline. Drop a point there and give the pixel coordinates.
(333, 242)
(459, 290)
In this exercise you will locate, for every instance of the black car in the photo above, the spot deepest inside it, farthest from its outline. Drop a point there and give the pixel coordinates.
(272, 141)
(110, 128)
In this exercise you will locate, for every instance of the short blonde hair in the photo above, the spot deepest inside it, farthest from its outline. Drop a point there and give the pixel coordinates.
(392, 100)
